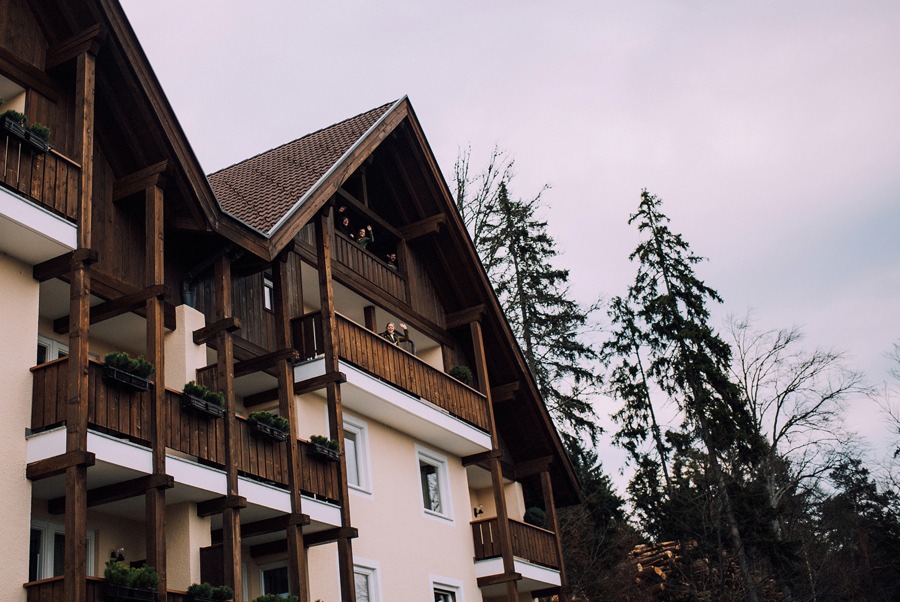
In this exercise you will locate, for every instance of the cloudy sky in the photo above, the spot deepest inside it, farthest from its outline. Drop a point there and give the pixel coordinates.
(771, 129)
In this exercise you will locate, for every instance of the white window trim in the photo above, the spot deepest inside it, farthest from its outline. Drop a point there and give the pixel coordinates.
(372, 569)
(268, 293)
(439, 582)
(441, 463)
(48, 531)
(360, 429)
(53, 347)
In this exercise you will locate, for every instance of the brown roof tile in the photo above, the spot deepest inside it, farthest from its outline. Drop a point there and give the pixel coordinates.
(263, 189)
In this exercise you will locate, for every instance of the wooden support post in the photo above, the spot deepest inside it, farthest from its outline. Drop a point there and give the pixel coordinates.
(484, 383)
(550, 509)
(298, 567)
(155, 276)
(324, 237)
(75, 573)
(231, 516)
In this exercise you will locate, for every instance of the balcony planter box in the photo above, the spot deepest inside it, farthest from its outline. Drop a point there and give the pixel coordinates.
(268, 432)
(322, 452)
(13, 128)
(120, 593)
(36, 142)
(201, 406)
(124, 379)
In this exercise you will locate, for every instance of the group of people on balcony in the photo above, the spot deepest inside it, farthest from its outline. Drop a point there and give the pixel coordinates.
(362, 235)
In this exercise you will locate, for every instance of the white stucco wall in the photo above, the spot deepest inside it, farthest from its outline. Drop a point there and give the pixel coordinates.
(19, 311)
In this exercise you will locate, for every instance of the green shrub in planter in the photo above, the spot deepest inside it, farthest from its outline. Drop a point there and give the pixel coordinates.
(121, 575)
(536, 516)
(325, 442)
(40, 130)
(202, 392)
(116, 573)
(271, 419)
(462, 374)
(137, 366)
(205, 591)
(16, 117)
(276, 598)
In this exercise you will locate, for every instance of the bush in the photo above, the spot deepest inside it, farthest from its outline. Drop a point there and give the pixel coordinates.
(462, 374)
(271, 419)
(276, 598)
(210, 592)
(19, 118)
(40, 130)
(119, 574)
(325, 441)
(201, 392)
(535, 516)
(138, 366)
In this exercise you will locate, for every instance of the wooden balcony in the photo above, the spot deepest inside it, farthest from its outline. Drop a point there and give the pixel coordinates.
(53, 590)
(530, 543)
(356, 263)
(124, 413)
(48, 179)
(369, 352)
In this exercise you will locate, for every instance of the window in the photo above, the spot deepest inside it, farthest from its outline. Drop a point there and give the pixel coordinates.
(433, 480)
(47, 550)
(444, 595)
(268, 293)
(274, 578)
(365, 581)
(356, 453)
(49, 350)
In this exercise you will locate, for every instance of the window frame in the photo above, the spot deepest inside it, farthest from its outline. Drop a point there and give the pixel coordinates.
(55, 349)
(440, 462)
(49, 530)
(445, 585)
(372, 570)
(268, 293)
(360, 431)
(269, 566)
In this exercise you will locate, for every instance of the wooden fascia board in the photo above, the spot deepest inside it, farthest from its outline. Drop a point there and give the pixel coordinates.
(329, 187)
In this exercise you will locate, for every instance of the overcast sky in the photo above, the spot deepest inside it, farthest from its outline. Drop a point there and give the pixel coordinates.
(770, 129)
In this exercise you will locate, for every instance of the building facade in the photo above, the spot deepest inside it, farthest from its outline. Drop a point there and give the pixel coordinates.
(249, 283)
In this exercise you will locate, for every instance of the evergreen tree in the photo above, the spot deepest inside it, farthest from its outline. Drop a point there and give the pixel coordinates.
(687, 360)
(517, 252)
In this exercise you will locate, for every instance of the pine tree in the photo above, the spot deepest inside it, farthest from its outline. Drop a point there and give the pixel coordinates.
(517, 252)
(687, 360)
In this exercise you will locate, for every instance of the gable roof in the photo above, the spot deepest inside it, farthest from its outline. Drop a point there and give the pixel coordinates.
(263, 191)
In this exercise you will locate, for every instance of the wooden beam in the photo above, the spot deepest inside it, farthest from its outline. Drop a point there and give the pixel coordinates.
(114, 308)
(301, 388)
(62, 264)
(532, 467)
(482, 457)
(49, 467)
(140, 181)
(88, 40)
(429, 225)
(264, 362)
(279, 546)
(219, 504)
(322, 537)
(202, 335)
(464, 317)
(501, 578)
(265, 526)
(28, 76)
(505, 392)
(117, 491)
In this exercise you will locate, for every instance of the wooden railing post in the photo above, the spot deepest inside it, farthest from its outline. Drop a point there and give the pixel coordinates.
(550, 509)
(324, 238)
(298, 568)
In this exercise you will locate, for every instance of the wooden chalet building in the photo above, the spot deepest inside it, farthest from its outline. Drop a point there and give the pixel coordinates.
(114, 240)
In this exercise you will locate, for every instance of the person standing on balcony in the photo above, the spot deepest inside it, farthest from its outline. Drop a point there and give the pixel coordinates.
(365, 236)
(391, 260)
(390, 333)
(347, 228)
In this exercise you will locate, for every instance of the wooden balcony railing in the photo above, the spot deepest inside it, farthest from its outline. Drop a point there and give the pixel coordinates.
(528, 542)
(360, 262)
(49, 179)
(53, 590)
(368, 351)
(127, 414)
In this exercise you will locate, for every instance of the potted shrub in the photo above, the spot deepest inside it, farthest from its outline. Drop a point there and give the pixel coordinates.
(462, 374)
(535, 516)
(323, 448)
(130, 584)
(37, 136)
(276, 598)
(14, 123)
(199, 399)
(270, 425)
(204, 592)
(129, 372)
